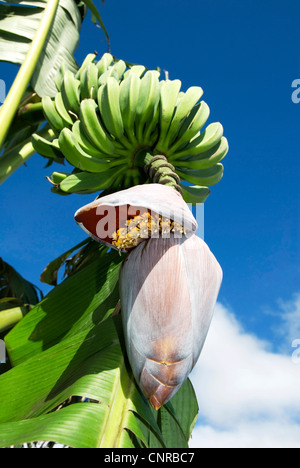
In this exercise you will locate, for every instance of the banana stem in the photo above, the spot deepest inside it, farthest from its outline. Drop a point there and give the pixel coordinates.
(10, 317)
(14, 97)
(13, 159)
(161, 171)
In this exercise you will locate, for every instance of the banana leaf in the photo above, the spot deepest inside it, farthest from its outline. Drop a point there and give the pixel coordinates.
(69, 345)
(18, 25)
(13, 285)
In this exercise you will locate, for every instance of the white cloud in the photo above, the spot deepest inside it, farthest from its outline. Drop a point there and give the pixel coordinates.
(248, 395)
(290, 316)
(273, 434)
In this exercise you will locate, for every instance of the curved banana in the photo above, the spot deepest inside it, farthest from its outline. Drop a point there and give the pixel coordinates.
(207, 177)
(148, 103)
(57, 177)
(109, 108)
(194, 194)
(116, 71)
(59, 76)
(151, 131)
(70, 92)
(169, 92)
(93, 128)
(190, 126)
(103, 64)
(129, 96)
(85, 143)
(47, 148)
(204, 141)
(84, 182)
(137, 70)
(63, 112)
(77, 156)
(90, 58)
(206, 159)
(89, 82)
(55, 120)
(185, 105)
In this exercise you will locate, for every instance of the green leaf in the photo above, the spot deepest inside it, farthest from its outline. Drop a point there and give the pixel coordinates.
(66, 347)
(18, 26)
(49, 275)
(177, 409)
(12, 284)
(76, 426)
(89, 365)
(77, 304)
(176, 419)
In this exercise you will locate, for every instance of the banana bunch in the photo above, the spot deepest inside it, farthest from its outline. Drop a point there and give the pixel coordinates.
(106, 113)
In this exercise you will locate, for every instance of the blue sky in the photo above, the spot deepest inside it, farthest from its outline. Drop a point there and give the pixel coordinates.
(245, 55)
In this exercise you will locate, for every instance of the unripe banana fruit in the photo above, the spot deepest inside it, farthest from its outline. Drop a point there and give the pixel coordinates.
(105, 114)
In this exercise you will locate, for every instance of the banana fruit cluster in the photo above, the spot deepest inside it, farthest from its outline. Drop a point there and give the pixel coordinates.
(106, 113)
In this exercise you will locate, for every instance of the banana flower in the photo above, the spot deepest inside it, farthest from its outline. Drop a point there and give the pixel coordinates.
(134, 215)
(169, 282)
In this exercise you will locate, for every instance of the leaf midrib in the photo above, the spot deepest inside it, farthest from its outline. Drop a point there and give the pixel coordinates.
(117, 413)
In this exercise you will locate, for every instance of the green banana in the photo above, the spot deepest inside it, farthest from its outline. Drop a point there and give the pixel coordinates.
(136, 70)
(129, 96)
(70, 92)
(148, 102)
(93, 128)
(57, 177)
(51, 114)
(59, 77)
(84, 182)
(109, 107)
(47, 148)
(104, 63)
(77, 156)
(185, 105)
(190, 126)
(85, 143)
(194, 194)
(206, 159)
(169, 91)
(151, 132)
(90, 58)
(63, 112)
(89, 82)
(116, 71)
(204, 141)
(207, 177)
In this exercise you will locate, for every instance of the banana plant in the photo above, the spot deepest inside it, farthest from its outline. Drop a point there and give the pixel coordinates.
(103, 360)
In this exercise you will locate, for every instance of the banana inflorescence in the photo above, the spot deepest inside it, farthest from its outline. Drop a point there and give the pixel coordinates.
(109, 117)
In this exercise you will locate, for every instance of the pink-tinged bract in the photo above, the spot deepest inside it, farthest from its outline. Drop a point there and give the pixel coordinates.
(101, 218)
(168, 291)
